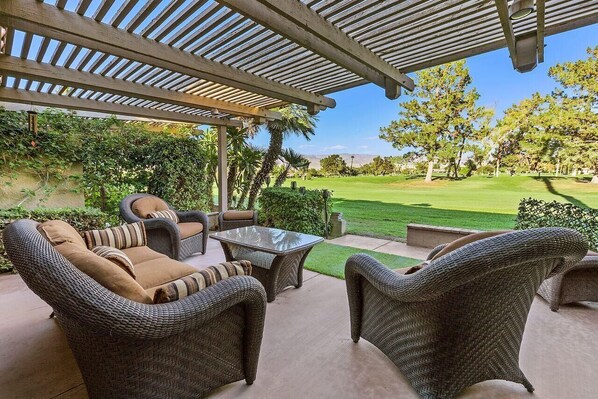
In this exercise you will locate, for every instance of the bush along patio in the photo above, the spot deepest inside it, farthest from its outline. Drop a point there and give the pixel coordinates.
(295, 209)
(537, 213)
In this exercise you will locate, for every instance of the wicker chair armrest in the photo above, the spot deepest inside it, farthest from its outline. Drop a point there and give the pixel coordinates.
(589, 262)
(435, 251)
(193, 216)
(141, 321)
(566, 247)
(165, 224)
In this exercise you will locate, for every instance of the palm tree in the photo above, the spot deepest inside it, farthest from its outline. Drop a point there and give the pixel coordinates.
(291, 160)
(295, 120)
(251, 161)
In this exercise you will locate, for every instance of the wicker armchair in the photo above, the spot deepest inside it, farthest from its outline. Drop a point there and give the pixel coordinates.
(579, 283)
(125, 349)
(460, 320)
(228, 223)
(169, 241)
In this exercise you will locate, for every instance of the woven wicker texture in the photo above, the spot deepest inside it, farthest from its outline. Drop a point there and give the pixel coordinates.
(163, 235)
(125, 349)
(275, 272)
(579, 283)
(460, 320)
(233, 224)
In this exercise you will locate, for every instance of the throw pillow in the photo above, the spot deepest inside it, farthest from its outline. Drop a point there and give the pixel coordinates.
(468, 240)
(104, 272)
(58, 232)
(168, 214)
(116, 256)
(195, 282)
(119, 237)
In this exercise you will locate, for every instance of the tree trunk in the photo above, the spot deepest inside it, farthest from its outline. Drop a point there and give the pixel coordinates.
(230, 180)
(274, 150)
(458, 163)
(497, 170)
(282, 176)
(594, 179)
(558, 167)
(430, 170)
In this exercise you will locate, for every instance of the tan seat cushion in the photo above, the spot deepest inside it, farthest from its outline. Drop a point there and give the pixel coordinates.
(104, 272)
(145, 205)
(190, 229)
(161, 271)
(142, 254)
(468, 240)
(58, 232)
(237, 215)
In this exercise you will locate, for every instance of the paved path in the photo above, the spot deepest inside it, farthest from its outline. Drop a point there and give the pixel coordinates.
(381, 245)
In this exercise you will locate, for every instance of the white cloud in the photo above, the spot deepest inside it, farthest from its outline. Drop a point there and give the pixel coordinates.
(372, 138)
(363, 147)
(336, 147)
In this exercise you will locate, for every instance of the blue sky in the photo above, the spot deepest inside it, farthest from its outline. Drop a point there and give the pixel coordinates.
(353, 126)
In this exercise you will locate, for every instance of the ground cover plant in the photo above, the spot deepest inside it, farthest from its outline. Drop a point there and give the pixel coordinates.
(330, 259)
(382, 206)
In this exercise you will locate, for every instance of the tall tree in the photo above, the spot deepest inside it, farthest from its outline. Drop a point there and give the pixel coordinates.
(290, 160)
(442, 118)
(333, 165)
(577, 101)
(295, 120)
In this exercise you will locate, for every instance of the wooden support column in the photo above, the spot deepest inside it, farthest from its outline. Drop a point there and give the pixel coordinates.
(222, 170)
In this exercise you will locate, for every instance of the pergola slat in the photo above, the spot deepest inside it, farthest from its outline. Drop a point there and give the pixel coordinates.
(45, 20)
(304, 26)
(57, 75)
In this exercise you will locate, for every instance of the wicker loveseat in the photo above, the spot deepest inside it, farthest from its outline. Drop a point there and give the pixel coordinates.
(126, 349)
(181, 240)
(460, 320)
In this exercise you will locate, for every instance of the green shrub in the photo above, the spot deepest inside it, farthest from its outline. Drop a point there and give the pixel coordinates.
(80, 218)
(289, 209)
(537, 213)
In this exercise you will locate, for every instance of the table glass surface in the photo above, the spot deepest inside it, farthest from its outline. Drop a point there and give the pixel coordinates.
(267, 239)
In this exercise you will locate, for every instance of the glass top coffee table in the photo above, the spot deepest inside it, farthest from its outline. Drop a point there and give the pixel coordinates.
(277, 256)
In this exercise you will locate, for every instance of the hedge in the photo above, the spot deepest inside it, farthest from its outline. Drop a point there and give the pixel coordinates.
(289, 209)
(537, 213)
(80, 218)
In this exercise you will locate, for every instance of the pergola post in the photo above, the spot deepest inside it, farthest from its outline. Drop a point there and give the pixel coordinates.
(222, 170)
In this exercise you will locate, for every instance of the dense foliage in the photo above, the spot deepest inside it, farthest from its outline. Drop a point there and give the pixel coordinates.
(333, 165)
(289, 209)
(80, 218)
(117, 158)
(537, 213)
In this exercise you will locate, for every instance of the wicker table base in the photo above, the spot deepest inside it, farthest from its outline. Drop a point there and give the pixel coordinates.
(275, 272)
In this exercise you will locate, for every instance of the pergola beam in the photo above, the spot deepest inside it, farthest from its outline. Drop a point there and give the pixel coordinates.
(541, 20)
(507, 27)
(524, 49)
(32, 70)
(300, 24)
(45, 20)
(81, 104)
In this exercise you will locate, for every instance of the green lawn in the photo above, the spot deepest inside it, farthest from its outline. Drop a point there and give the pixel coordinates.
(382, 206)
(330, 259)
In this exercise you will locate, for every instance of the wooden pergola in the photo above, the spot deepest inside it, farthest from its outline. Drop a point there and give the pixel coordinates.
(216, 62)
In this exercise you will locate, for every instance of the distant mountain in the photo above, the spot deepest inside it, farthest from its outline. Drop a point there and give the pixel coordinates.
(359, 160)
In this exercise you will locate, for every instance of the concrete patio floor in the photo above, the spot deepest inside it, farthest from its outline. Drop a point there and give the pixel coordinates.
(559, 353)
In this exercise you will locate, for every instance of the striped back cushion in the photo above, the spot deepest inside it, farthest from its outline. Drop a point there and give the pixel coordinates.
(119, 237)
(116, 256)
(195, 282)
(168, 214)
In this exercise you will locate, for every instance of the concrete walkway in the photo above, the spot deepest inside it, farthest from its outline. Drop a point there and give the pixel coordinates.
(381, 245)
